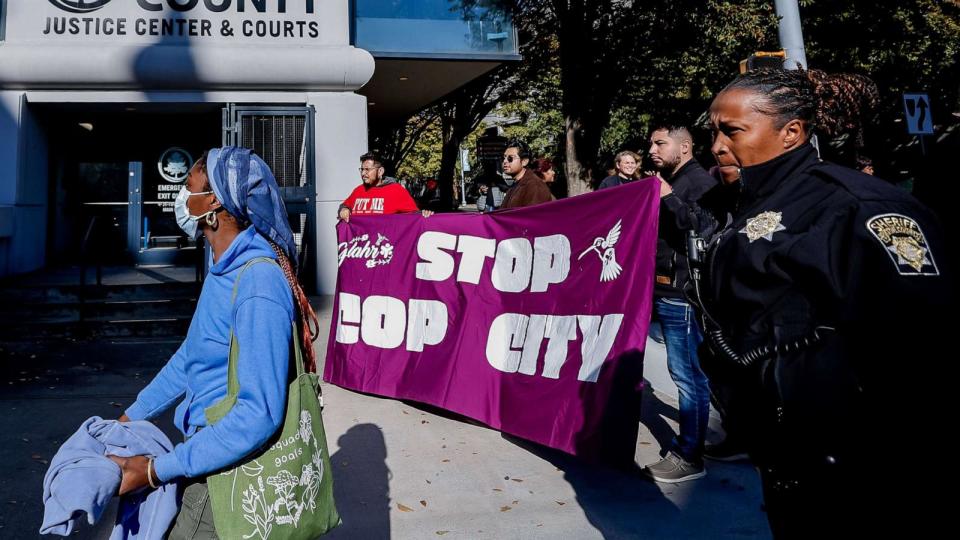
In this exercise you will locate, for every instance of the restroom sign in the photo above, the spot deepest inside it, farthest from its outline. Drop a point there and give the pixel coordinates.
(174, 165)
(919, 119)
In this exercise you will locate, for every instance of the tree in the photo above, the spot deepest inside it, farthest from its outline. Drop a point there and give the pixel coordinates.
(599, 73)
(908, 46)
(395, 142)
(460, 113)
(423, 159)
(624, 59)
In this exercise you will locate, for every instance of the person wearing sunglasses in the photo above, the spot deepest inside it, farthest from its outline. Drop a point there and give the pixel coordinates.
(528, 188)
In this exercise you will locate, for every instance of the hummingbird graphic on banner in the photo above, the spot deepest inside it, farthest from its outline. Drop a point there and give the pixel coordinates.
(608, 255)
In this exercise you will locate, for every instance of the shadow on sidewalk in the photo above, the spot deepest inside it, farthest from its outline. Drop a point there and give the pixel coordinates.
(620, 502)
(653, 415)
(361, 484)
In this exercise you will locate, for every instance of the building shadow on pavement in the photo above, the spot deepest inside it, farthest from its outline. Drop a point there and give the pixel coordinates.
(653, 415)
(620, 502)
(361, 484)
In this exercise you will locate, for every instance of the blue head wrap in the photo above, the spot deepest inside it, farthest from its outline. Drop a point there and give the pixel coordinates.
(247, 190)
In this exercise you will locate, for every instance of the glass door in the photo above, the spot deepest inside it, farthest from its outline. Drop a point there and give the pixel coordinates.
(103, 228)
(155, 237)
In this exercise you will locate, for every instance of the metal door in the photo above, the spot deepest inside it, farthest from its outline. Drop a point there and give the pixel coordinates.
(283, 137)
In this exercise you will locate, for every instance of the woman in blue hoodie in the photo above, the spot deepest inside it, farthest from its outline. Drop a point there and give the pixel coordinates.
(232, 199)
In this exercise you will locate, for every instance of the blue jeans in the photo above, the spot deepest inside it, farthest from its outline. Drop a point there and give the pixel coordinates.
(682, 336)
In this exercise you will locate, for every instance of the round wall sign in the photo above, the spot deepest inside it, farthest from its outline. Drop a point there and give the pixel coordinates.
(174, 165)
(79, 6)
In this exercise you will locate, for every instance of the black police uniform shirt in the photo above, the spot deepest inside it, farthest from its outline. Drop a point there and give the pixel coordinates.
(809, 244)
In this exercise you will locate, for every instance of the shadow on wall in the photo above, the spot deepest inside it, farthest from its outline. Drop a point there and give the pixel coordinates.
(8, 184)
(167, 64)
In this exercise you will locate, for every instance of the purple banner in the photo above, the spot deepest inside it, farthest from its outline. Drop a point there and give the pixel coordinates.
(532, 320)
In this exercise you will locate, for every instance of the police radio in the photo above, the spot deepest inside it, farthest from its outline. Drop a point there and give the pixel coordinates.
(696, 255)
(696, 251)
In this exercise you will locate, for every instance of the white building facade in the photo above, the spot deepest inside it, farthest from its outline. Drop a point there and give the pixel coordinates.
(104, 102)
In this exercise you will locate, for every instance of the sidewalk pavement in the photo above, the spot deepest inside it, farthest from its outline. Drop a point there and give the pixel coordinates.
(401, 470)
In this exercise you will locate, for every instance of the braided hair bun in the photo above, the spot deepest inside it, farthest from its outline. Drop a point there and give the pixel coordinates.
(848, 102)
(837, 106)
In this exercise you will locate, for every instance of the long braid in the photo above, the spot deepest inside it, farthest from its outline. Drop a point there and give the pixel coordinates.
(848, 103)
(309, 325)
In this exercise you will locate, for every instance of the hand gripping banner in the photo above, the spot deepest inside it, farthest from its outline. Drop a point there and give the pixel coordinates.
(532, 321)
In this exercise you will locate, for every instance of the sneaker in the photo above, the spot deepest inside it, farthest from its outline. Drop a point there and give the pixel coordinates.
(673, 469)
(725, 451)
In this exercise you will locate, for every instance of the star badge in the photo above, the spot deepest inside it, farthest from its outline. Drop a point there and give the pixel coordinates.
(909, 252)
(763, 226)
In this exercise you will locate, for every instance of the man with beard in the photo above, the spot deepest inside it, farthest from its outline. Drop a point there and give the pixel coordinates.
(683, 182)
(378, 194)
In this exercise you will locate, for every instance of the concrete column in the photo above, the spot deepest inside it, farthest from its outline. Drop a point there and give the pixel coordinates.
(23, 187)
(341, 138)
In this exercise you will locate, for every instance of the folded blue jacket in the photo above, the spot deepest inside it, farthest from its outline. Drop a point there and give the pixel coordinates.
(82, 480)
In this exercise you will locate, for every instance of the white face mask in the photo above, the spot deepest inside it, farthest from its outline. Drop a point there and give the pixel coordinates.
(187, 222)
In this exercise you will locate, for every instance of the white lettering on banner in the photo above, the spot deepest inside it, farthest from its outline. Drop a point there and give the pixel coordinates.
(427, 324)
(517, 264)
(513, 343)
(349, 313)
(378, 253)
(511, 268)
(506, 335)
(439, 265)
(475, 251)
(596, 342)
(531, 344)
(560, 331)
(380, 321)
(551, 261)
(383, 321)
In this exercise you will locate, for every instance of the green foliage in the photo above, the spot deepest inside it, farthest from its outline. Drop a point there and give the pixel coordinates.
(903, 45)
(423, 160)
(611, 68)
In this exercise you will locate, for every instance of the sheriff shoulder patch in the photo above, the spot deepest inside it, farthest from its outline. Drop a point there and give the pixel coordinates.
(905, 243)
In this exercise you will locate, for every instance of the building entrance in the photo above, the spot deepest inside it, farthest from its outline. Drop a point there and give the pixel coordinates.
(115, 173)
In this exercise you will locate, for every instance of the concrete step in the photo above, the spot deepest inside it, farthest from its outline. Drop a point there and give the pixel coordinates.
(65, 294)
(145, 310)
(174, 327)
(97, 310)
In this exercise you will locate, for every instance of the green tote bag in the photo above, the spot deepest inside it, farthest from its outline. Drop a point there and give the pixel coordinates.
(285, 491)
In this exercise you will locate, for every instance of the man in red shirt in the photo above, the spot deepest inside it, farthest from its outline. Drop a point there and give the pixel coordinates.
(378, 194)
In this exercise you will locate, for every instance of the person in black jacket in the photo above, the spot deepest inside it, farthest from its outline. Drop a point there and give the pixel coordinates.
(824, 292)
(683, 181)
(625, 167)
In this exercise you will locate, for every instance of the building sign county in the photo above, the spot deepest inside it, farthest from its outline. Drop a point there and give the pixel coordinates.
(200, 19)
